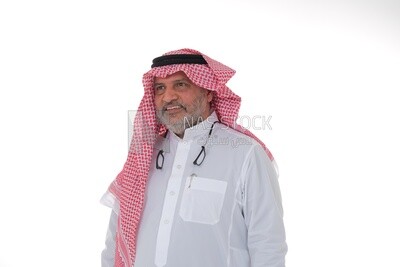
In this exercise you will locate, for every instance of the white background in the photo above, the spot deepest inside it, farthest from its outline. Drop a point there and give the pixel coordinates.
(326, 71)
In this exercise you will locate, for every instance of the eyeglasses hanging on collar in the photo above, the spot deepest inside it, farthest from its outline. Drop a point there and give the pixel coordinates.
(199, 159)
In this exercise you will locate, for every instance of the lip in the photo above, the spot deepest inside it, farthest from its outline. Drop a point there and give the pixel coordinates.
(173, 109)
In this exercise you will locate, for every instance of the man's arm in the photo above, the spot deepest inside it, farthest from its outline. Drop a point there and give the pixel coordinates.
(263, 212)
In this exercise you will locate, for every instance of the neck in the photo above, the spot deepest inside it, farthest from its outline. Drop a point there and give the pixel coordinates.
(195, 122)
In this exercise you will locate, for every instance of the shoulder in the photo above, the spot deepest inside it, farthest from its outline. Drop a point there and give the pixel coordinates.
(251, 148)
(236, 139)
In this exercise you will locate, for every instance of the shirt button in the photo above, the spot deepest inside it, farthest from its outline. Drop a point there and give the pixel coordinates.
(179, 166)
(172, 193)
(166, 221)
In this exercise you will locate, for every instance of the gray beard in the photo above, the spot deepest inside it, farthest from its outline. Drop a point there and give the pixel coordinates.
(187, 121)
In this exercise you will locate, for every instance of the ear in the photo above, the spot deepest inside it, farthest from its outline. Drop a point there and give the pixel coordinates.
(209, 96)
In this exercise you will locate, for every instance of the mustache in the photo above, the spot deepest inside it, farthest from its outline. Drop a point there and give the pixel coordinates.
(172, 104)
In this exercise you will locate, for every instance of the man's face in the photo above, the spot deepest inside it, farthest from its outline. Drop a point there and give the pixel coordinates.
(180, 103)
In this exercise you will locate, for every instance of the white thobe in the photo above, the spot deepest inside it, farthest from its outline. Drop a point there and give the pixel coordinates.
(225, 212)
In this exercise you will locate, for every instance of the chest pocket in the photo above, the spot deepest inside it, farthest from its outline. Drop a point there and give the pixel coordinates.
(202, 200)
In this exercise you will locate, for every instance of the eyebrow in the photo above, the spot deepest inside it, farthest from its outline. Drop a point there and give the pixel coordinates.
(175, 81)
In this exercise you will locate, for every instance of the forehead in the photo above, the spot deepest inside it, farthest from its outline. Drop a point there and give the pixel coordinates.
(180, 75)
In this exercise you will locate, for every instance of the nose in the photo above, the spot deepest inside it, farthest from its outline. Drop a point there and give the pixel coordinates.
(169, 95)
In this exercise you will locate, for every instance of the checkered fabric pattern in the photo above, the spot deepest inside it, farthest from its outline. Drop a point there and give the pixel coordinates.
(130, 184)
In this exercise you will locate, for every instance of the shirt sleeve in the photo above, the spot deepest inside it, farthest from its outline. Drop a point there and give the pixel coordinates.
(108, 253)
(263, 211)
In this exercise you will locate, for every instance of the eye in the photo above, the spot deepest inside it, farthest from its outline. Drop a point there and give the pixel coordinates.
(159, 89)
(181, 85)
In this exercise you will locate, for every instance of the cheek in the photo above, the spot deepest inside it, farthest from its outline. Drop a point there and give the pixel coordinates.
(157, 102)
(189, 102)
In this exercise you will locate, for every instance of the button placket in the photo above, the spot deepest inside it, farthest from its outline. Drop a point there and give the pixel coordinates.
(170, 203)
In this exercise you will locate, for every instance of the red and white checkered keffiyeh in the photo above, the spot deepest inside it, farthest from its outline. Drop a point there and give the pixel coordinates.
(130, 184)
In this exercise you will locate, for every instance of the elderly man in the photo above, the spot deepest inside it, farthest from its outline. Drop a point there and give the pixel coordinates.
(197, 190)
